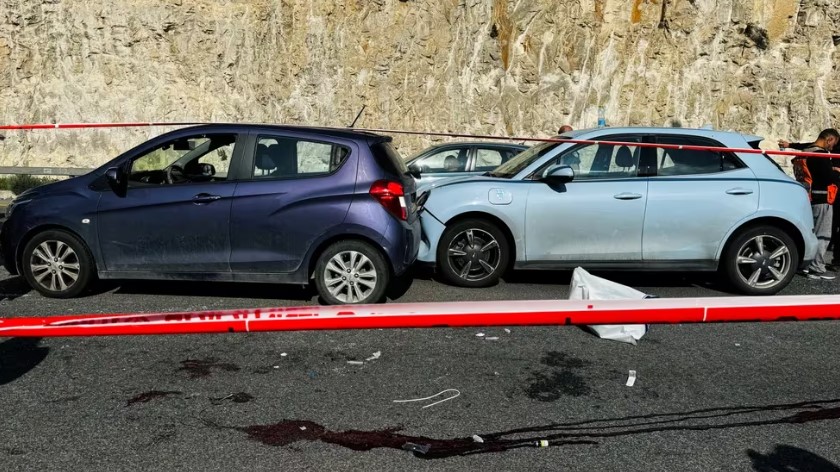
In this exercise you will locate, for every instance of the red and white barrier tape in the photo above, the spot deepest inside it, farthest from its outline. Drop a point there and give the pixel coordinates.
(451, 135)
(435, 315)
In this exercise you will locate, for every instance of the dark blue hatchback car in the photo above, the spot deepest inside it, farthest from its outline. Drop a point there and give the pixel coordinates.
(251, 203)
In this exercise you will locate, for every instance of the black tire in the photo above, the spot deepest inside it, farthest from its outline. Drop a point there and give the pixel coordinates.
(352, 289)
(758, 273)
(480, 264)
(54, 278)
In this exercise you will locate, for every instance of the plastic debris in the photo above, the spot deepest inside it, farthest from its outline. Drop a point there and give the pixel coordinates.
(479, 335)
(375, 356)
(586, 286)
(507, 331)
(457, 393)
(303, 428)
(491, 338)
(355, 362)
(631, 379)
(418, 448)
(477, 438)
(541, 443)
(283, 354)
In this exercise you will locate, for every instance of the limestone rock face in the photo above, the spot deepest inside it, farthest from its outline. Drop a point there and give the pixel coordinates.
(523, 67)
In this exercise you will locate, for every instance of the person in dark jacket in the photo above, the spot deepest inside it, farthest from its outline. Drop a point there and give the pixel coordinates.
(834, 244)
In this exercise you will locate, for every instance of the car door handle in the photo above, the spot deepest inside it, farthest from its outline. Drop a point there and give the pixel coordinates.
(205, 198)
(739, 191)
(627, 196)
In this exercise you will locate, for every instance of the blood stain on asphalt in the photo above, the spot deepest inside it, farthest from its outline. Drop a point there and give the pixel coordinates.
(291, 431)
(145, 397)
(202, 367)
(551, 387)
(240, 397)
(560, 359)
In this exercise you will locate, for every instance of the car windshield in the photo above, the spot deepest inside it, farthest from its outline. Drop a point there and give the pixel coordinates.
(523, 160)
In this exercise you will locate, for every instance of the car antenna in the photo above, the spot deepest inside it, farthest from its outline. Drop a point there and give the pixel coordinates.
(357, 117)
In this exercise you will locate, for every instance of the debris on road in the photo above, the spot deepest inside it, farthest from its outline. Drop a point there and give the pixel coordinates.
(479, 335)
(585, 286)
(356, 362)
(417, 448)
(493, 338)
(631, 378)
(145, 397)
(374, 356)
(240, 397)
(457, 393)
(477, 438)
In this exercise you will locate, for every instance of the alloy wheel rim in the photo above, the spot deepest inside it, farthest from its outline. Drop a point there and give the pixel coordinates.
(763, 261)
(55, 265)
(350, 276)
(474, 254)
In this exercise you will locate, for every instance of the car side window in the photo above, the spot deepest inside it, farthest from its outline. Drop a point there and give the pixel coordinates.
(690, 161)
(200, 158)
(489, 159)
(283, 158)
(449, 160)
(602, 161)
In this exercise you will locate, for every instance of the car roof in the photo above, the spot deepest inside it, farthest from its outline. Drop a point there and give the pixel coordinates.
(703, 132)
(476, 143)
(347, 133)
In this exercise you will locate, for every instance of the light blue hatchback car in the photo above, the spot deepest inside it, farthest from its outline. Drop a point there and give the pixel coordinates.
(600, 206)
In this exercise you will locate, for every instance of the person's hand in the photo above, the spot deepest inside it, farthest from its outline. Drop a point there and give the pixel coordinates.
(783, 143)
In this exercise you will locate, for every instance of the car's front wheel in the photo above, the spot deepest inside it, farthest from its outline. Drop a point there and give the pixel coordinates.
(351, 272)
(473, 253)
(760, 260)
(57, 264)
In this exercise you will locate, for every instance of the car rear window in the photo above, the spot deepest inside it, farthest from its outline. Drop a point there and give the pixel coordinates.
(693, 161)
(388, 158)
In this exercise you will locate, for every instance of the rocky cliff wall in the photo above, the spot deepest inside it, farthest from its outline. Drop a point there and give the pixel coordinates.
(485, 66)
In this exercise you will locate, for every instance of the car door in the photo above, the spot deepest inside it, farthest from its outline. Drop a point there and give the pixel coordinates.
(694, 200)
(297, 190)
(181, 226)
(596, 217)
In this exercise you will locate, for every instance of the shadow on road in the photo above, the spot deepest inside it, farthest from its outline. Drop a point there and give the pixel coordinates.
(398, 287)
(13, 287)
(708, 281)
(214, 289)
(786, 458)
(633, 279)
(18, 356)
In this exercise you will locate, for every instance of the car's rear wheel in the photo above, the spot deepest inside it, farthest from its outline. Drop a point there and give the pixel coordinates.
(351, 272)
(761, 260)
(473, 253)
(57, 264)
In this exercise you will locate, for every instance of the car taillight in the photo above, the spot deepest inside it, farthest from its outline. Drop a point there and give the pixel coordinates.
(390, 195)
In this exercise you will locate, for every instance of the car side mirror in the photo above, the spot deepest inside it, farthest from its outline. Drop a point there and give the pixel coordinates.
(116, 180)
(414, 171)
(559, 175)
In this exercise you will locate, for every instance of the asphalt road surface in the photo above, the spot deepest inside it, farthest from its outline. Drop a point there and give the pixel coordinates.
(763, 397)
